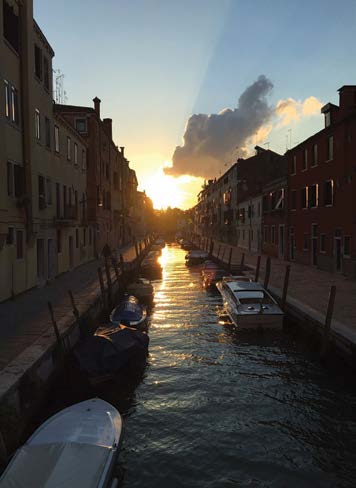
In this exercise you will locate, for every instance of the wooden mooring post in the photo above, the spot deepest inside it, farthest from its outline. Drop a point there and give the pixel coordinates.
(285, 287)
(74, 307)
(230, 259)
(116, 269)
(56, 330)
(223, 255)
(267, 272)
(102, 287)
(258, 265)
(242, 263)
(327, 327)
(136, 248)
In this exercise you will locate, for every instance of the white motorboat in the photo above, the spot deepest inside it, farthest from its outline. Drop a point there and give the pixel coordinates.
(195, 257)
(141, 289)
(76, 447)
(249, 305)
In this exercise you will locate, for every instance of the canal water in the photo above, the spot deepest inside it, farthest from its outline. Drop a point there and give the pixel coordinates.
(221, 408)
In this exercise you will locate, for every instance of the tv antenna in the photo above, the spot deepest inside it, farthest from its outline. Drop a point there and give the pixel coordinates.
(60, 95)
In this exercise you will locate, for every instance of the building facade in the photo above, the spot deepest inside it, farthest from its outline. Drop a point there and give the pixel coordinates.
(274, 219)
(322, 191)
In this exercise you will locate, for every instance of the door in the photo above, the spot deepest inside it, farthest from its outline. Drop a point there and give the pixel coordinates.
(40, 261)
(338, 254)
(52, 263)
(71, 250)
(281, 242)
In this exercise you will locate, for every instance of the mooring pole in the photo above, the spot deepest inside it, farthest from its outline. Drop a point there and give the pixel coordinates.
(230, 259)
(285, 287)
(258, 265)
(223, 255)
(140, 247)
(242, 263)
(75, 310)
(116, 269)
(136, 248)
(328, 318)
(55, 327)
(102, 288)
(268, 272)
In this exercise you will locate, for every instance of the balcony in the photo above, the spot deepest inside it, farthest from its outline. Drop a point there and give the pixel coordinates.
(69, 214)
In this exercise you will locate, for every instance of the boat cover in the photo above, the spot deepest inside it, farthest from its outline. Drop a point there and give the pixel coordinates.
(128, 311)
(63, 465)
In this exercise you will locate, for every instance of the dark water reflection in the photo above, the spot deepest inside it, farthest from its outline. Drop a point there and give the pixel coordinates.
(221, 408)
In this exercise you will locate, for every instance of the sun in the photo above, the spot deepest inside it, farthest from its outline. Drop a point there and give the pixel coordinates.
(164, 190)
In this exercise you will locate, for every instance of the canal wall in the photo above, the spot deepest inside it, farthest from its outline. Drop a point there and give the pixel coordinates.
(26, 380)
(332, 335)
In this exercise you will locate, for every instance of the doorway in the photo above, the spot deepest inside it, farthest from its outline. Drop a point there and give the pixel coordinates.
(281, 242)
(71, 252)
(40, 261)
(338, 254)
(52, 267)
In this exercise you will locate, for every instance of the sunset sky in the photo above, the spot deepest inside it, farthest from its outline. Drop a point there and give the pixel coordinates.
(155, 63)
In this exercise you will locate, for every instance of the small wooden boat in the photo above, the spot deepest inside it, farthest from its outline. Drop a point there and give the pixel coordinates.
(195, 257)
(76, 447)
(141, 289)
(249, 305)
(129, 313)
(110, 351)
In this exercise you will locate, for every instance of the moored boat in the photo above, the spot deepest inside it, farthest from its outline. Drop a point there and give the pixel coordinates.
(142, 289)
(129, 312)
(76, 447)
(111, 350)
(212, 276)
(249, 305)
(195, 257)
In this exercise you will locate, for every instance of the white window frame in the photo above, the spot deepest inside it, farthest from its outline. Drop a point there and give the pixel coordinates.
(76, 154)
(56, 139)
(7, 100)
(37, 124)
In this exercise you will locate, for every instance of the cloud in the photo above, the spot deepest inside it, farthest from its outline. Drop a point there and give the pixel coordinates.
(290, 110)
(209, 141)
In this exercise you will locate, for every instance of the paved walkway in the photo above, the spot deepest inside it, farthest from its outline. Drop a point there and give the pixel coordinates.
(308, 286)
(25, 319)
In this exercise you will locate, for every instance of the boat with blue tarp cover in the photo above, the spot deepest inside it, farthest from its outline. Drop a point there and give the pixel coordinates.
(129, 312)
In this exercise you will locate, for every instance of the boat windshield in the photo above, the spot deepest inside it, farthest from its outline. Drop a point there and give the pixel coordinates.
(255, 296)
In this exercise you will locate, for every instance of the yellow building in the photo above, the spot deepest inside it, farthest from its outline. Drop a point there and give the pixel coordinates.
(43, 229)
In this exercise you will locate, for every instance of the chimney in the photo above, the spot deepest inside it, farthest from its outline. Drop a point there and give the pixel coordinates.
(347, 100)
(97, 101)
(122, 149)
(108, 126)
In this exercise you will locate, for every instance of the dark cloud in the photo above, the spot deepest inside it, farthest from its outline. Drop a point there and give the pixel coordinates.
(212, 140)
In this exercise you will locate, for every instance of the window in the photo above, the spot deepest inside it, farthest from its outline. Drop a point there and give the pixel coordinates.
(15, 179)
(68, 148)
(14, 105)
(273, 234)
(327, 119)
(58, 200)
(81, 125)
(90, 236)
(313, 196)
(10, 238)
(49, 191)
(56, 138)
(330, 148)
(76, 238)
(48, 132)
(37, 124)
(41, 192)
(38, 62)
(322, 242)
(59, 241)
(7, 99)
(294, 166)
(306, 242)
(75, 153)
(329, 193)
(265, 233)
(19, 244)
(293, 199)
(84, 159)
(347, 246)
(46, 73)
(84, 237)
(243, 234)
(305, 160)
(304, 197)
(315, 155)
(11, 26)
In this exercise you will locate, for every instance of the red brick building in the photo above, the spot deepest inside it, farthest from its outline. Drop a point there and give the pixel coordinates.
(322, 191)
(103, 158)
